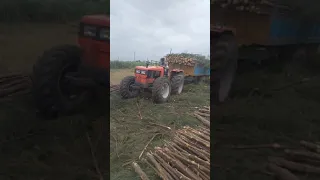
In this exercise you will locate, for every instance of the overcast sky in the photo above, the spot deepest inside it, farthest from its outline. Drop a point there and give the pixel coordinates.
(151, 28)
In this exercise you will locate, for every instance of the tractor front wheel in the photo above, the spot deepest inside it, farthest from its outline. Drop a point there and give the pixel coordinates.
(126, 90)
(52, 91)
(161, 90)
(177, 82)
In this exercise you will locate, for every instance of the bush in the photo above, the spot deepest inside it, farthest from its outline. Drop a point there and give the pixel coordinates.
(50, 10)
(125, 64)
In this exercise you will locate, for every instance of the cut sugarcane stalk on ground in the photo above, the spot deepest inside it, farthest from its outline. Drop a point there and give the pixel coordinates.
(186, 155)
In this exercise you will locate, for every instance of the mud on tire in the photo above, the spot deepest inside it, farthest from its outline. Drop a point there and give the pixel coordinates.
(125, 90)
(225, 52)
(47, 73)
(177, 83)
(159, 85)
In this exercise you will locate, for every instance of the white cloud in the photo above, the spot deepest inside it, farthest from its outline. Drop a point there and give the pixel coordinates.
(151, 28)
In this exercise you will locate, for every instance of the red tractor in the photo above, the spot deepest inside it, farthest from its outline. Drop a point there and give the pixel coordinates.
(64, 76)
(154, 79)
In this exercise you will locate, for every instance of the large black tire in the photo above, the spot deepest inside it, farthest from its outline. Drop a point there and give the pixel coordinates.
(225, 52)
(49, 89)
(125, 90)
(177, 83)
(161, 90)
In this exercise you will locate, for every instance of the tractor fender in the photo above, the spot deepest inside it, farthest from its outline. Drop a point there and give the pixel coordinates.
(177, 70)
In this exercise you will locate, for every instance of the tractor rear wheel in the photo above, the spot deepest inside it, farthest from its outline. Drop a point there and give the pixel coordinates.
(161, 90)
(225, 56)
(52, 92)
(126, 90)
(177, 83)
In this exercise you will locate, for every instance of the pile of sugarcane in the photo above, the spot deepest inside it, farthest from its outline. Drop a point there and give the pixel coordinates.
(179, 59)
(13, 84)
(302, 160)
(186, 156)
(255, 6)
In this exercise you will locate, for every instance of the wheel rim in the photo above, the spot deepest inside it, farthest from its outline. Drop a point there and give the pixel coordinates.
(165, 90)
(180, 88)
(130, 89)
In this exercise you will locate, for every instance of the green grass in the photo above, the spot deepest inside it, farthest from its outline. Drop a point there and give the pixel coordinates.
(284, 116)
(129, 133)
(125, 64)
(35, 148)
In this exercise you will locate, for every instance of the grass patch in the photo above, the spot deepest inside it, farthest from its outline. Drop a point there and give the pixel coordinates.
(129, 134)
(116, 75)
(285, 116)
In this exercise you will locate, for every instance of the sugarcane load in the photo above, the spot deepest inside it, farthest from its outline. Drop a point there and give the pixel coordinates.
(180, 59)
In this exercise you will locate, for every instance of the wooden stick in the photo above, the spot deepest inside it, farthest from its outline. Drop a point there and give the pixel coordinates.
(274, 146)
(160, 125)
(304, 154)
(294, 166)
(139, 171)
(203, 120)
(95, 162)
(145, 147)
(139, 110)
(311, 146)
(203, 114)
(204, 111)
(281, 173)
(158, 166)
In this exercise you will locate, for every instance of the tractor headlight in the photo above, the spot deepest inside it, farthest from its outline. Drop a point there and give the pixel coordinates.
(137, 71)
(143, 72)
(104, 34)
(90, 31)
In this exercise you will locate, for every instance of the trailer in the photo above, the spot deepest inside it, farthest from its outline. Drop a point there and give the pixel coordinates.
(197, 73)
(257, 32)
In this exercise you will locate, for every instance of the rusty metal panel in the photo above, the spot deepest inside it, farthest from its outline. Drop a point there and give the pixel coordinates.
(251, 28)
(188, 70)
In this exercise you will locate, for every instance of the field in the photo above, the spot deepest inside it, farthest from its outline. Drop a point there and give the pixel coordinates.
(134, 122)
(116, 75)
(36, 148)
(267, 108)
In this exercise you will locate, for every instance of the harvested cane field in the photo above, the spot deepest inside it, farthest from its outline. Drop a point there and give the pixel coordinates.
(33, 147)
(270, 128)
(140, 129)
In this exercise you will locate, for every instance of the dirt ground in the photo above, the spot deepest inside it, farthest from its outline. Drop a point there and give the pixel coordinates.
(116, 75)
(264, 110)
(134, 122)
(36, 148)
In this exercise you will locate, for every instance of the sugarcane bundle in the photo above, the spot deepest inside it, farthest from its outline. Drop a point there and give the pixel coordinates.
(179, 59)
(188, 59)
(254, 6)
(185, 156)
